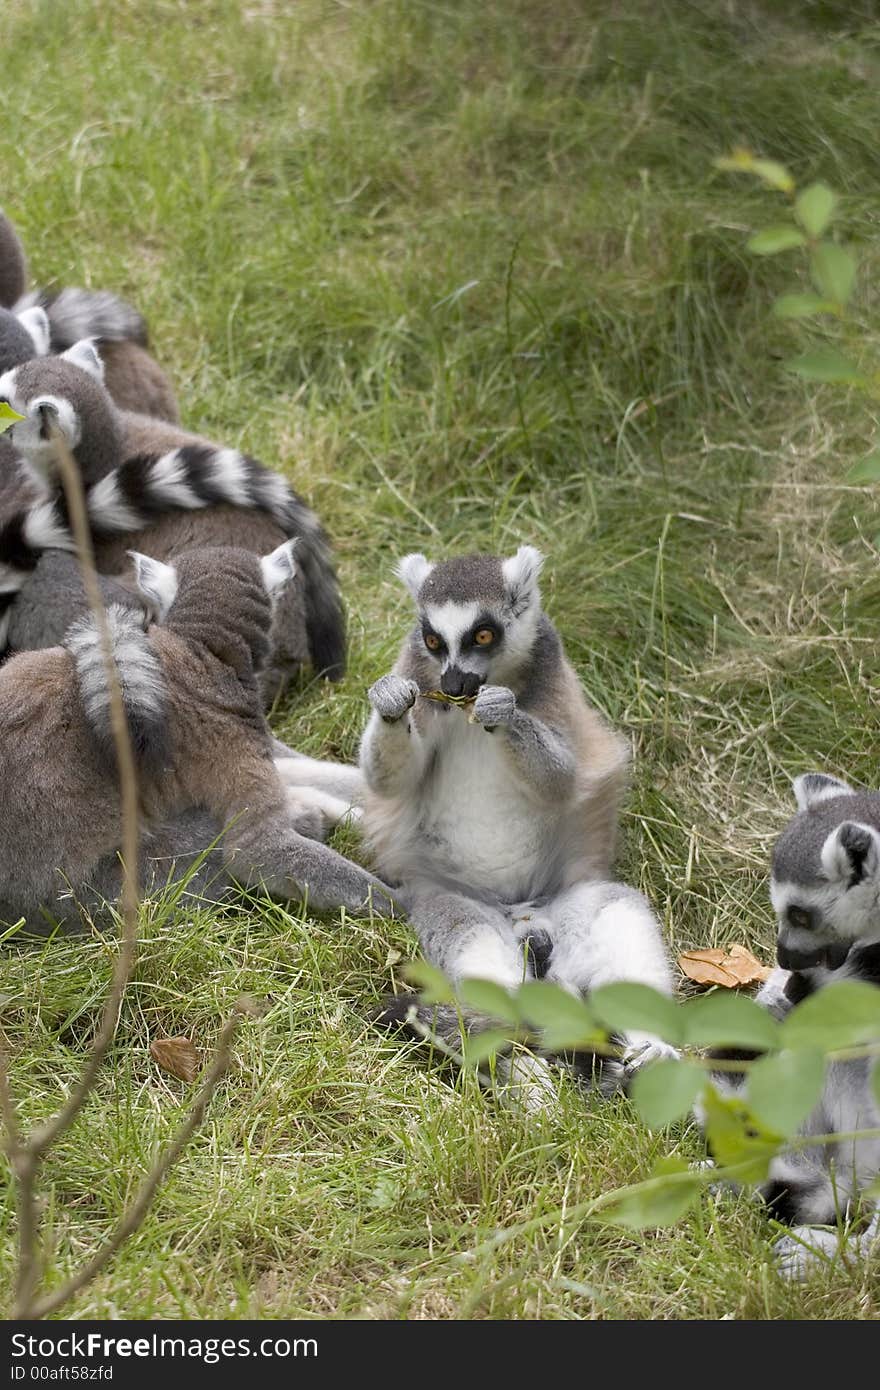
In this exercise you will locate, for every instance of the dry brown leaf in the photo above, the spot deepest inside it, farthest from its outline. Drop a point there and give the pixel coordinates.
(180, 1056)
(731, 968)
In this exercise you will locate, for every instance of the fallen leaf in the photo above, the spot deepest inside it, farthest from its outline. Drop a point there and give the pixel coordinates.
(732, 968)
(392, 957)
(177, 1055)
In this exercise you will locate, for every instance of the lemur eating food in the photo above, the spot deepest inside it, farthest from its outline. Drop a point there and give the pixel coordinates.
(500, 821)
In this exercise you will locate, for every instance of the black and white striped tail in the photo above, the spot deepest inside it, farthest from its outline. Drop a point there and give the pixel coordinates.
(194, 476)
(190, 478)
(141, 682)
(76, 313)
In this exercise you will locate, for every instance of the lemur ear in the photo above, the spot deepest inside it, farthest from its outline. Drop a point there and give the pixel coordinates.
(35, 322)
(521, 578)
(851, 852)
(278, 568)
(85, 355)
(812, 787)
(156, 582)
(413, 570)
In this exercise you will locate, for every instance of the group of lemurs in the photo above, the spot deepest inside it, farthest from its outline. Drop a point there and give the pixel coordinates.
(488, 789)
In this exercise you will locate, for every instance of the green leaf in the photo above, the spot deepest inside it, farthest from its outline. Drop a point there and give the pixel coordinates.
(8, 416)
(867, 470)
(814, 208)
(626, 1007)
(783, 1089)
(737, 1138)
(478, 1046)
(770, 240)
(488, 998)
(665, 1090)
(825, 364)
(565, 1021)
(773, 173)
(659, 1201)
(432, 983)
(840, 1015)
(800, 306)
(724, 1019)
(833, 270)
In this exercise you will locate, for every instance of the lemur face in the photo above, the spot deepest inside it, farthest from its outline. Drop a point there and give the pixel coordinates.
(478, 615)
(825, 882)
(53, 393)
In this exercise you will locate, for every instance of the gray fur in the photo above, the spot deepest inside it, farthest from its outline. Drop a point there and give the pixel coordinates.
(56, 598)
(13, 265)
(59, 815)
(16, 343)
(140, 679)
(77, 313)
(480, 813)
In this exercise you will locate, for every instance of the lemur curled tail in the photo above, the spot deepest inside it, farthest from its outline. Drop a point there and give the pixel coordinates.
(205, 755)
(154, 485)
(500, 824)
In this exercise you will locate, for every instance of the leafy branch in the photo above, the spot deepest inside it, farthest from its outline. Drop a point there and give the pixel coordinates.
(831, 269)
(745, 1132)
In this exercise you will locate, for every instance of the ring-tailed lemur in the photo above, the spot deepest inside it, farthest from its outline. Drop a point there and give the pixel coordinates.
(254, 508)
(501, 824)
(825, 890)
(134, 378)
(204, 752)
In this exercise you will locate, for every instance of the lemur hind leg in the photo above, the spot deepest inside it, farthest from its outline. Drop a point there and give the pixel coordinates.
(606, 932)
(465, 937)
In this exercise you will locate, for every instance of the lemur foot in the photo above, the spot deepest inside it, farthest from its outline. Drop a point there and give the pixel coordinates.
(638, 1054)
(805, 1251)
(392, 696)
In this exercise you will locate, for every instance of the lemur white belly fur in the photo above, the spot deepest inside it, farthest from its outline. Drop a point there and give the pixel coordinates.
(475, 820)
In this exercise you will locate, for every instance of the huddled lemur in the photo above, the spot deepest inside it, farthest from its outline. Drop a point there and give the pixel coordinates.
(132, 376)
(825, 890)
(204, 753)
(250, 507)
(500, 824)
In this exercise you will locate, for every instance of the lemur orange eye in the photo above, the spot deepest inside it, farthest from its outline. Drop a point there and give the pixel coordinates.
(432, 641)
(484, 637)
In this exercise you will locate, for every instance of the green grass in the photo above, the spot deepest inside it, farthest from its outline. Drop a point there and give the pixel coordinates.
(465, 273)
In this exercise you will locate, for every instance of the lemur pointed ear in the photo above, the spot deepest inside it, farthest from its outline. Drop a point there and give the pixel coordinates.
(278, 568)
(413, 570)
(35, 322)
(851, 852)
(521, 577)
(85, 355)
(812, 787)
(156, 582)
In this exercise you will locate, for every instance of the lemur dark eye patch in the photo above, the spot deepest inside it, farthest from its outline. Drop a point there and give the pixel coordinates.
(484, 633)
(433, 641)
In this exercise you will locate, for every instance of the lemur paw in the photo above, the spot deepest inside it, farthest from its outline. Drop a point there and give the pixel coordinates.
(805, 1251)
(392, 696)
(495, 704)
(639, 1054)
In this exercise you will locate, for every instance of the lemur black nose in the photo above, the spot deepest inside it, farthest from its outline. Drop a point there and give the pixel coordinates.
(455, 681)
